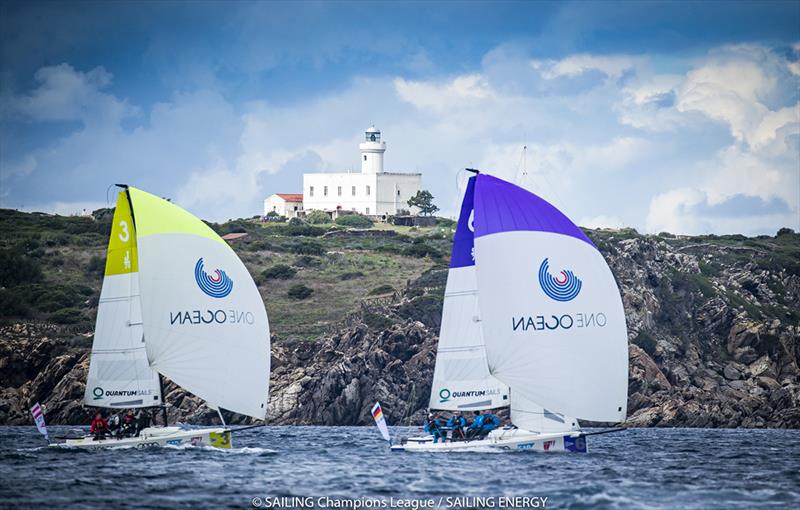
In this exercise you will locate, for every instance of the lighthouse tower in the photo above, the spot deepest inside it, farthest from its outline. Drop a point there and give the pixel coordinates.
(372, 149)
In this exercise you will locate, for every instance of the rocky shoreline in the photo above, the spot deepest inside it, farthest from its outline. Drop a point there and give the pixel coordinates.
(713, 343)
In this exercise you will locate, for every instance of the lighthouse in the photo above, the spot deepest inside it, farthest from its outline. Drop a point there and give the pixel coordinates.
(372, 191)
(372, 149)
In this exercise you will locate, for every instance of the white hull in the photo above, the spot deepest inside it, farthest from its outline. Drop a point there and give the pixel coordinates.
(157, 436)
(501, 440)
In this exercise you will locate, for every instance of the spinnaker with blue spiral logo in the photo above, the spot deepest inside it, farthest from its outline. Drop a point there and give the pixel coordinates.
(536, 325)
(176, 302)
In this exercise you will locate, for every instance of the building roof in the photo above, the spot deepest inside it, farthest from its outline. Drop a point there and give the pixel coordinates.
(234, 236)
(291, 197)
(373, 129)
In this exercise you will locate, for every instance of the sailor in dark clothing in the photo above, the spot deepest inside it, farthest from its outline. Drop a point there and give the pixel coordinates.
(99, 427)
(128, 424)
(434, 427)
(142, 421)
(113, 425)
(457, 424)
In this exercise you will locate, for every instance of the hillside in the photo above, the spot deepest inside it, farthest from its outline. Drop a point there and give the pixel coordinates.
(713, 320)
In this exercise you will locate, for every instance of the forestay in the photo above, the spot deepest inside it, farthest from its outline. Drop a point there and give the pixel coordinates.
(551, 311)
(204, 320)
(119, 374)
(461, 379)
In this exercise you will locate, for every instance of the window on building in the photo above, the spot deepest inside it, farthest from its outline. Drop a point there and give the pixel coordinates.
(367, 190)
(325, 191)
(339, 191)
(311, 191)
(354, 191)
(365, 157)
(398, 193)
(368, 210)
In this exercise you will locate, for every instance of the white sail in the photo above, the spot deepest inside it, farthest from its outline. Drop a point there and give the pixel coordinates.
(461, 379)
(204, 320)
(530, 416)
(119, 374)
(551, 311)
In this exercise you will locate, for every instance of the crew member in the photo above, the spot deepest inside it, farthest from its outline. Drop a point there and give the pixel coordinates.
(142, 421)
(457, 423)
(99, 426)
(490, 422)
(434, 427)
(113, 424)
(128, 424)
(476, 425)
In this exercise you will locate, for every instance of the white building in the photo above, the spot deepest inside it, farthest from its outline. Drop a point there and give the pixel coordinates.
(372, 192)
(289, 205)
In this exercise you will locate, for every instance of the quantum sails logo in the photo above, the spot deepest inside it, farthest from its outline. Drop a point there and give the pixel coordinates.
(445, 394)
(99, 393)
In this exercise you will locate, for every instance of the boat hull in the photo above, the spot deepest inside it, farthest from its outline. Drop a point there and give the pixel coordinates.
(500, 441)
(157, 436)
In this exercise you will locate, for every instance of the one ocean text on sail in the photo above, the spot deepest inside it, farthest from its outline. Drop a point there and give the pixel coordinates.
(211, 317)
(566, 321)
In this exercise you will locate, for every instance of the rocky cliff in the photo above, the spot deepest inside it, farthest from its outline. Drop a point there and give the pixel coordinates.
(713, 328)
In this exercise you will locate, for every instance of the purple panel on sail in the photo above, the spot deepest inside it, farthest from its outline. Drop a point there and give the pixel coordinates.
(464, 239)
(503, 207)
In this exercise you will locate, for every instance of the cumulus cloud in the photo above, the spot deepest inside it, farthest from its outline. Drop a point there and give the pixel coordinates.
(611, 140)
(64, 94)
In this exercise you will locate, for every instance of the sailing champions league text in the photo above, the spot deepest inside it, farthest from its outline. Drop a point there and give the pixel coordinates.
(402, 503)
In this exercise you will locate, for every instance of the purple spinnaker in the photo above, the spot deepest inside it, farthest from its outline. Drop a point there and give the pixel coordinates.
(503, 207)
(464, 239)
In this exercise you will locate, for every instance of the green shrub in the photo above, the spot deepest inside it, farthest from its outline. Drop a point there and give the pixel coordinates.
(381, 289)
(279, 272)
(375, 320)
(354, 221)
(351, 275)
(17, 268)
(318, 217)
(13, 305)
(299, 291)
(67, 316)
(420, 250)
(96, 265)
(296, 222)
(307, 247)
(646, 343)
(307, 261)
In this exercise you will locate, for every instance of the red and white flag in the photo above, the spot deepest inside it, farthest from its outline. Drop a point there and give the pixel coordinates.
(38, 417)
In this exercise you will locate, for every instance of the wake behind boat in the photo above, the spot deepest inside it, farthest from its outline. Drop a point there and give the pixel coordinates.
(177, 302)
(532, 320)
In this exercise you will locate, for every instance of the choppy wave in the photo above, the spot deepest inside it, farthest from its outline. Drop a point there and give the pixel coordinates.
(644, 468)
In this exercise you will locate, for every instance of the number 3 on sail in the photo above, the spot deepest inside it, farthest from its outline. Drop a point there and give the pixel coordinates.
(162, 313)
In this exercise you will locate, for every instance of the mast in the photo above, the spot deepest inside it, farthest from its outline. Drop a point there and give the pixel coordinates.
(163, 404)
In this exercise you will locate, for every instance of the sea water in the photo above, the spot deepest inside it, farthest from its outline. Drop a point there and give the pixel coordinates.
(351, 467)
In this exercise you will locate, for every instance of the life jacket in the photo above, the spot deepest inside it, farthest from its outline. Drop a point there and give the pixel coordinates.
(99, 425)
(477, 422)
(490, 422)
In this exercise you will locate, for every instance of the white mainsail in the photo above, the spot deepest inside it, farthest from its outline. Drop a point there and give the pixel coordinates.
(461, 379)
(119, 374)
(551, 312)
(204, 321)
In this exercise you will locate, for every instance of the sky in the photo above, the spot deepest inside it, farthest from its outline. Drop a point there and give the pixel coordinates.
(662, 116)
